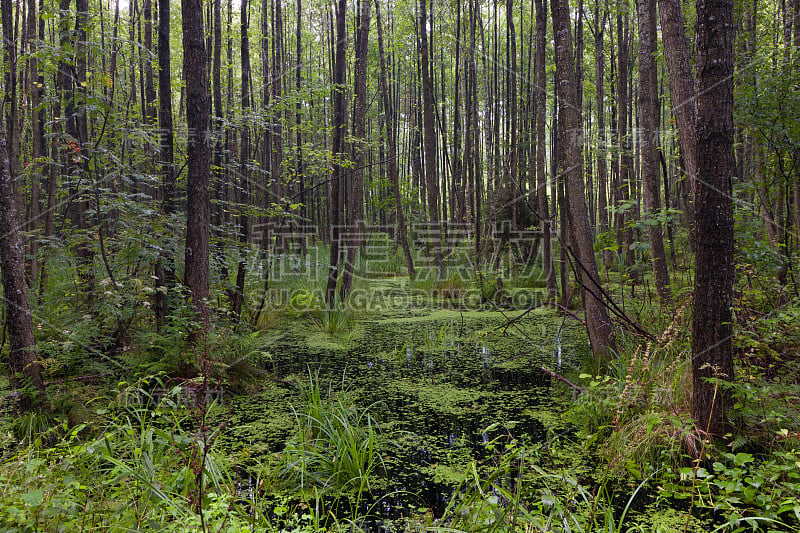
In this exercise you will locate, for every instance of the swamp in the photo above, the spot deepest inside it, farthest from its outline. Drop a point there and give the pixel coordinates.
(420, 266)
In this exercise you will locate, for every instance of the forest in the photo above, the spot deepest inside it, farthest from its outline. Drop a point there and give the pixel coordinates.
(366, 266)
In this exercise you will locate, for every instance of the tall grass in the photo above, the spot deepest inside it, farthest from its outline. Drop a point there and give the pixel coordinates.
(141, 469)
(336, 448)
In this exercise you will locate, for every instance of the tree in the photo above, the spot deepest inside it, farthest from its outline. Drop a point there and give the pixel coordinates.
(648, 138)
(165, 270)
(430, 139)
(339, 130)
(541, 173)
(355, 197)
(22, 359)
(391, 140)
(681, 82)
(712, 326)
(195, 61)
(570, 136)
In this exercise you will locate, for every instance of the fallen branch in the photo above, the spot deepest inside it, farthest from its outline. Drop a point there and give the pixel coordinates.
(562, 379)
(90, 377)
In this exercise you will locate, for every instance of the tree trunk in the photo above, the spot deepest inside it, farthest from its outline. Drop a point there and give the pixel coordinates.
(22, 359)
(195, 64)
(430, 141)
(602, 151)
(391, 138)
(622, 186)
(165, 272)
(681, 82)
(648, 138)
(712, 329)
(541, 172)
(355, 203)
(237, 301)
(598, 324)
(339, 130)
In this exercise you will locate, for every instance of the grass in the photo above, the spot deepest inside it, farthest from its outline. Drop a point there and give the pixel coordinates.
(138, 470)
(337, 445)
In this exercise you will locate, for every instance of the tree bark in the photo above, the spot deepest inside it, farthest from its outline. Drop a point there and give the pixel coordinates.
(355, 203)
(195, 64)
(712, 330)
(391, 138)
(430, 140)
(681, 82)
(237, 300)
(541, 172)
(622, 186)
(165, 271)
(570, 133)
(22, 359)
(648, 139)
(339, 130)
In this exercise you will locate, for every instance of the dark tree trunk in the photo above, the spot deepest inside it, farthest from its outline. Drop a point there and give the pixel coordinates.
(22, 359)
(391, 137)
(622, 185)
(430, 141)
(602, 150)
(681, 83)
(38, 144)
(195, 64)
(460, 212)
(712, 329)
(541, 171)
(237, 300)
(339, 127)
(648, 138)
(598, 324)
(355, 198)
(165, 272)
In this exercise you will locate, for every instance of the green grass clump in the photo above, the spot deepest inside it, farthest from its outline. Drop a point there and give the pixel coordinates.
(337, 445)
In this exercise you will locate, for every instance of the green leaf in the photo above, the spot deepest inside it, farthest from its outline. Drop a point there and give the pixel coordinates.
(742, 459)
(33, 498)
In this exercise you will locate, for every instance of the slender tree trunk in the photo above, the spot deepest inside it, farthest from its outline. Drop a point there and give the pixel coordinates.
(38, 141)
(355, 204)
(430, 141)
(598, 324)
(602, 152)
(459, 214)
(165, 271)
(195, 61)
(541, 171)
(681, 82)
(391, 136)
(237, 301)
(339, 130)
(622, 187)
(712, 350)
(648, 138)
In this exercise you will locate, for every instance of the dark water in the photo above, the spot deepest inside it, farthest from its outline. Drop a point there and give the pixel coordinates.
(436, 381)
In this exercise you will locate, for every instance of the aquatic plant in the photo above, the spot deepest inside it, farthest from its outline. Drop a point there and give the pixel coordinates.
(337, 444)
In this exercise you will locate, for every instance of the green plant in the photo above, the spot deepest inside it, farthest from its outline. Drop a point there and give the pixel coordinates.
(517, 494)
(748, 490)
(336, 321)
(139, 470)
(337, 444)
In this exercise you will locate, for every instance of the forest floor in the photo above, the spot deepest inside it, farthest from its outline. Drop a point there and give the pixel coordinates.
(421, 406)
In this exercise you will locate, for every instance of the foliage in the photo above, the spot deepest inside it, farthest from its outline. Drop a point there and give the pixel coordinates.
(638, 411)
(337, 444)
(748, 491)
(140, 469)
